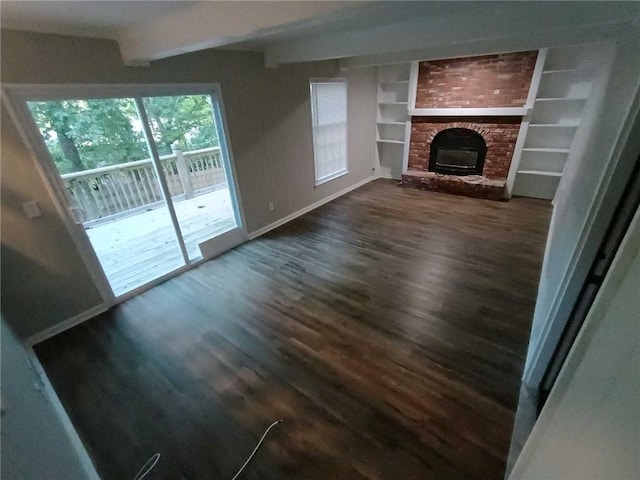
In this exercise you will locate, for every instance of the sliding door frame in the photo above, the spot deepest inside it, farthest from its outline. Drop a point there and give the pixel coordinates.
(162, 180)
(16, 96)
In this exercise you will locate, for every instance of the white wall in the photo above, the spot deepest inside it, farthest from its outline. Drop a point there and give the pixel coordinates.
(35, 445)
(585, 201)
(269, 124)
(590, 426)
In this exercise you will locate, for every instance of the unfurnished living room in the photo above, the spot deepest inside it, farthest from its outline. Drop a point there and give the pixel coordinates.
(323, 240)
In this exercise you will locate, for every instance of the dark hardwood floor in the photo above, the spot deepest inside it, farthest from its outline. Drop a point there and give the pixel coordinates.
(387, 328)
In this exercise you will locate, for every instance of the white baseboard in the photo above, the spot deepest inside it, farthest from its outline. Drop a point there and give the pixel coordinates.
(302, 211)
(66, 325)
(384, 175)
(52, 398)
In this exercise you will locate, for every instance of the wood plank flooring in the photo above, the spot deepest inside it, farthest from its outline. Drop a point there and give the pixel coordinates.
(387, 328)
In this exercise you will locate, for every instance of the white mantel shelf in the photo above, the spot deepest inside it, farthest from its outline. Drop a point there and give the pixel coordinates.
(470, 112)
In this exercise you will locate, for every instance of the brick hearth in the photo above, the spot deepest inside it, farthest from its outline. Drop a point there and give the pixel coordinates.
(437, 182)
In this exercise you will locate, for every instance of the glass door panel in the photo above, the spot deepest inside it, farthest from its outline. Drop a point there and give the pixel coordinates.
(99, 151)
(193, 158)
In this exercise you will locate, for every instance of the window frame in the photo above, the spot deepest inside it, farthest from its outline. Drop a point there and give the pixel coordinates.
(314, 127)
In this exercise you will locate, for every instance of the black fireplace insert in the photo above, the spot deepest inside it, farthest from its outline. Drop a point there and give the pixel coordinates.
(457, 151)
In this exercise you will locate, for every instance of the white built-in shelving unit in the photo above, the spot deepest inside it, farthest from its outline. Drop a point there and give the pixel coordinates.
(560, 88)
(393, 122)
(551, 124)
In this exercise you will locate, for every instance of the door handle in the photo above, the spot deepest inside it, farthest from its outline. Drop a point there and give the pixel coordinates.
(79, 215)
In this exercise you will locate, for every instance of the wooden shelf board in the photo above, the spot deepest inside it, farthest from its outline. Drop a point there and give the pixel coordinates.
(387, 140)
(540, 172)
(557, 71)
(392, 103)
(553, 125)
(390, 122)
(561, 99)
(546, 149)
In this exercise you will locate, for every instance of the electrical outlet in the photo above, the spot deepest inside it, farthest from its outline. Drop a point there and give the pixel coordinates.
(271, 206)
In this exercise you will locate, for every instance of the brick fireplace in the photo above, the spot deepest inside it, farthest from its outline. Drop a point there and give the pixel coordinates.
(485, 84)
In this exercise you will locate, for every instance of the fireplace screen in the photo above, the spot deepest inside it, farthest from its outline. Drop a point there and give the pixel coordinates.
(456, 158)
(457, 151)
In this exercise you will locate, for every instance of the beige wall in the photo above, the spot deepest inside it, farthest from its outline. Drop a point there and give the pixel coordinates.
(590, 426)
(44, 280)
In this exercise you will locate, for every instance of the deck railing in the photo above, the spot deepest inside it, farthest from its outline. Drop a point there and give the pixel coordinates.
(108, 192)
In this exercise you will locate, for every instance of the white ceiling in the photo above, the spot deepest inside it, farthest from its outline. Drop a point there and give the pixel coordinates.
(99, 19)
(296, 31)
(150, 30)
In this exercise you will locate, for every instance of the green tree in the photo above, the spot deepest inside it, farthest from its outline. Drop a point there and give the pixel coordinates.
(105, 133)
(185, 118)
(53, 119)
(87, 134)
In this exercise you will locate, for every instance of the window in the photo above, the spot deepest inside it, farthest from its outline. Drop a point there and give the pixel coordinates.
(329, 121)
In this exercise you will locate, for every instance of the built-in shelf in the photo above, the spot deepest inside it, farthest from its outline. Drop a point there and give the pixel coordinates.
(561, 99)
(547, 150)
(393, 127)
(564, 71)
(540, 172)
(390, 122)
(553, 125)
(559, 71)
(564, 85)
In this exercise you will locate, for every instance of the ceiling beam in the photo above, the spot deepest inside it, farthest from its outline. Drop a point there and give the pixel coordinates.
(492, 25)
(214, 24)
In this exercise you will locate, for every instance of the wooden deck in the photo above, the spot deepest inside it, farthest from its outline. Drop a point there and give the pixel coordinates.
(135, 250)
(388, 328)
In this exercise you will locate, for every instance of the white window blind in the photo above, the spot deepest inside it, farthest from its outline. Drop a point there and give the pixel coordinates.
(329, 120)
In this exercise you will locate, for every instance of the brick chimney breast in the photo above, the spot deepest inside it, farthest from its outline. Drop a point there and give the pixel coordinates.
(488, 81)
(501, 80)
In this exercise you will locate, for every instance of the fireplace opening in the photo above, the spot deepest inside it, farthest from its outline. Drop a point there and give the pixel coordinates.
(457, 151)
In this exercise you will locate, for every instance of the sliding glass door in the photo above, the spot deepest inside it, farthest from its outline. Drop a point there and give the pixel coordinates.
(198, 179)
(147, 179)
